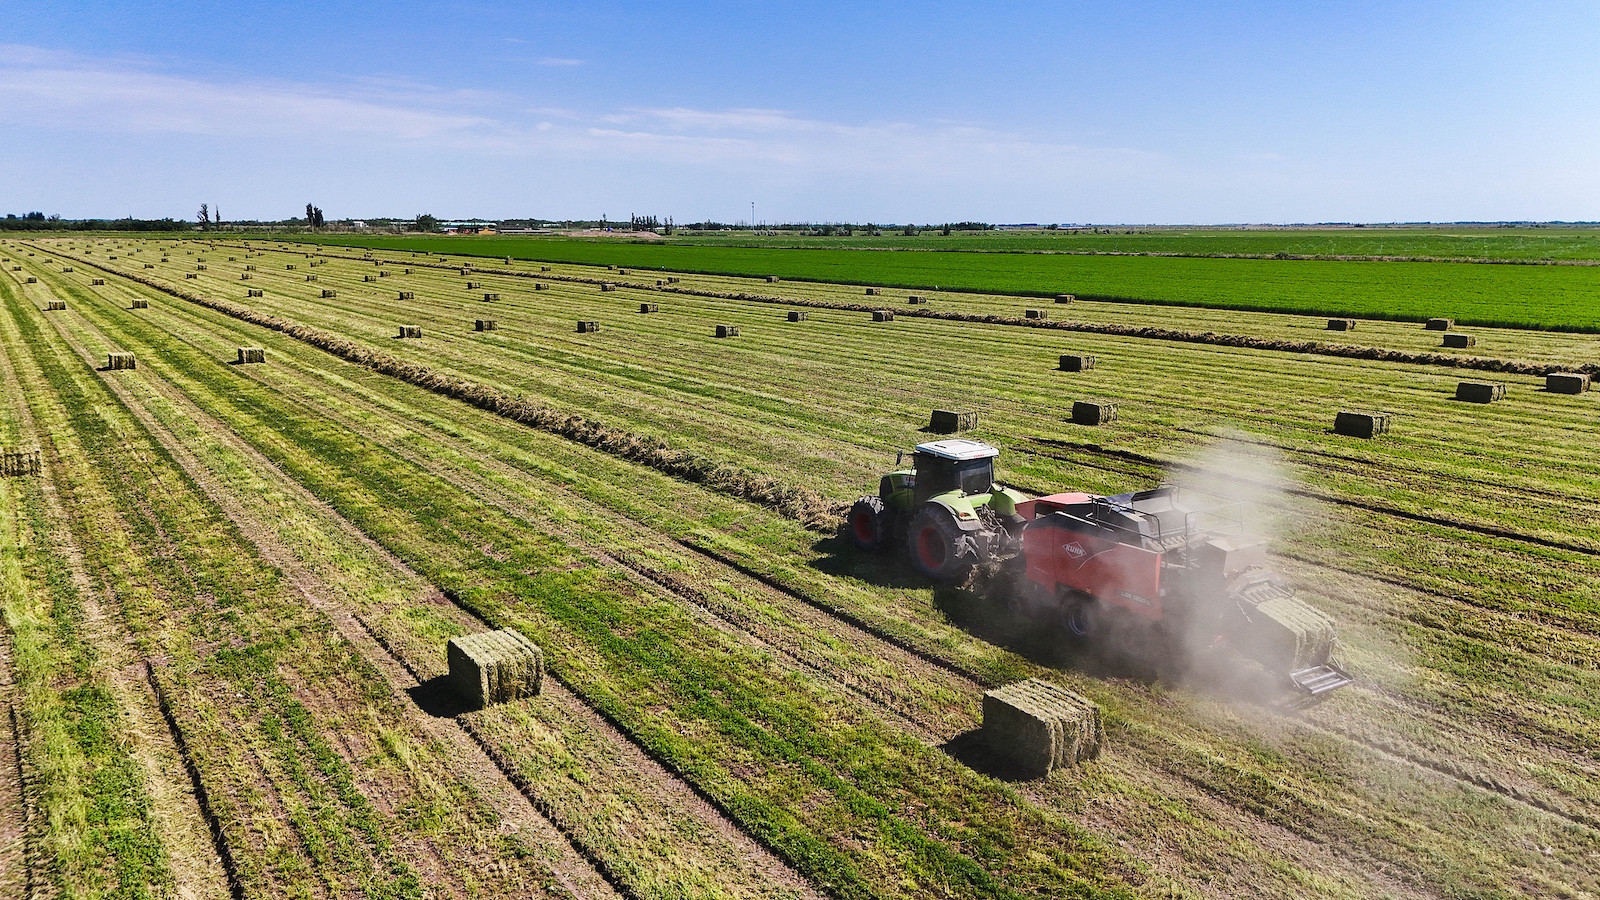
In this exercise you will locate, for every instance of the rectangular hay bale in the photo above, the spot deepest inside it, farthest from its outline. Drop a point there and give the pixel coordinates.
(410, 331)
(490, 298)
(1065, 298)
(15, 463)
(54, 305)
(474, 285)
(724, 331)
(1036, 314)
(772, 279)
(649, 307)
(883, 315)
(586, 327)
(1439, 324)
(494, 667)
(121, 361)
(190, 275)
(1285, 634)
(1459, 341)
(1566, 382)
(1360, 424)
(872, 292)
(1341, 324)
(252, 355)
(607, 286)
(329, 295)
(1076, 362)
(916, 299)
(1041, 726)
(405, 295)
(798, 315)
(253, 292)
(484, 325)
(1480, 391)
(1093, 412)
(141, 304)
(948, 421)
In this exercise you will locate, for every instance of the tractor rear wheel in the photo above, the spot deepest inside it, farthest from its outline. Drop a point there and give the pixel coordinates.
(868, 523)
(937, 547)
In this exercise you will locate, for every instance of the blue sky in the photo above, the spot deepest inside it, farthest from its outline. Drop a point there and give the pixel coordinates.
(1155, 112)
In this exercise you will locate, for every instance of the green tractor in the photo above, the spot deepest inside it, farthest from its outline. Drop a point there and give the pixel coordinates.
(946, 510)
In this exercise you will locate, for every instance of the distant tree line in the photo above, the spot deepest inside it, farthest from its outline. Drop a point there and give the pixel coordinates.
(38, 221)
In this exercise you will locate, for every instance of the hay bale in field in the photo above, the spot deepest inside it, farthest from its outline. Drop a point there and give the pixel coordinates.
(466, 270)
(289, 268)
(251, 355)
(190, 275)
(31, 280)
(409, 271)
(947, 421)
(67, 269)
(508, 260)
(622, 271)
(405, 295)
(1036, 313)
(233, 259)
(544, 268)
(244, 276)
(141, 304)
(411, 331)
(369, 278)
(1341, 324)
(253, 292)
(607, 286)
(916, 299)
(55, 305)
(1093, 412)
(1566, 382)
(883, 315)
(1360, 424)
(724, 331)
(19, 268)
(1439, 324)
(474, 285)
(96, 282)
(585, 326)
(1480, 391)
(672, 279)
(149, 265)
(649, 307)
(872, 292)
(1076, 362)
(121, 361)
(1041, 726)
(383, 273)
(16, 463)
(311, 278)
(494, 667)
(329, 295)
(484, 325)
(490, 298)
(1285, 634)
(798, 315)
(1459, 341)
(1065, 298)
(773, 279)
(611, 268)
(540, 286)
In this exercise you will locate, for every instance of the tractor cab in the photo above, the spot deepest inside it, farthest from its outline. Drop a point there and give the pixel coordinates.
(952, 465)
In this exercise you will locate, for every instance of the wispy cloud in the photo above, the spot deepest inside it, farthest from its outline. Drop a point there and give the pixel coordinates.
(560, 61)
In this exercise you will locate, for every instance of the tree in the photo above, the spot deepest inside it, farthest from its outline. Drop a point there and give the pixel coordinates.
(427, 223)
(204, 215)
(314, 217)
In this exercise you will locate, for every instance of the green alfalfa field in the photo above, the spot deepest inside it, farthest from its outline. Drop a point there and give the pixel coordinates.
(228, 593)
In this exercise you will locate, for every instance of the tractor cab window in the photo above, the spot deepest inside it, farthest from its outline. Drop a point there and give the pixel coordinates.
(939, 476)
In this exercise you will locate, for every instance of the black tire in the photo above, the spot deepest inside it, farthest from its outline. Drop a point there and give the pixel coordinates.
(1082, 619)
(868, 523)
(937, 547)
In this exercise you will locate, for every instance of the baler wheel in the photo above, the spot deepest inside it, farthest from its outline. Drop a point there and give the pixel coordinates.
(868, 523)
(937, 547)
(1081, 618)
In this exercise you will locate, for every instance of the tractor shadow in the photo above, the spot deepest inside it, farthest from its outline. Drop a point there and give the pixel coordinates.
(838, 557)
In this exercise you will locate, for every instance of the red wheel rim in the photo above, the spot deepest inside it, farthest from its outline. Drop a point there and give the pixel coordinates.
(861, 522)
(930, 548)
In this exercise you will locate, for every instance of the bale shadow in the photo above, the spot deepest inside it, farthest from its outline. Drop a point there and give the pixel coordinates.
(973, 751)
(436, 698)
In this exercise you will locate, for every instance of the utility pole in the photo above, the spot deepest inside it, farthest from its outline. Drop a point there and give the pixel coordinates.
(752, 215)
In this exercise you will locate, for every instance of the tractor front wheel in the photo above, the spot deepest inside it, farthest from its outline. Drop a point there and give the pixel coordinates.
(868, 523)
(937, 547)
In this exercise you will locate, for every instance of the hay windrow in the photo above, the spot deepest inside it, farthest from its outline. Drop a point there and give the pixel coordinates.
(812, 509)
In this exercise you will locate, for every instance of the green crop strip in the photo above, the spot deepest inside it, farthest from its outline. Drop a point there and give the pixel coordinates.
(1549, 297)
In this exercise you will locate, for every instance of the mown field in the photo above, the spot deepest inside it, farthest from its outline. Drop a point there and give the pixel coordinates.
(227, 595)
(1543, 297)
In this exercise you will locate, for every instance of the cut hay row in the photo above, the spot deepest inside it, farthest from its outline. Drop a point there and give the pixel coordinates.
(1320, 348)
(812, 509)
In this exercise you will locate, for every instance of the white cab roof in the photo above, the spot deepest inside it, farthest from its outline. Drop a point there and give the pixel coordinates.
(959, 449)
